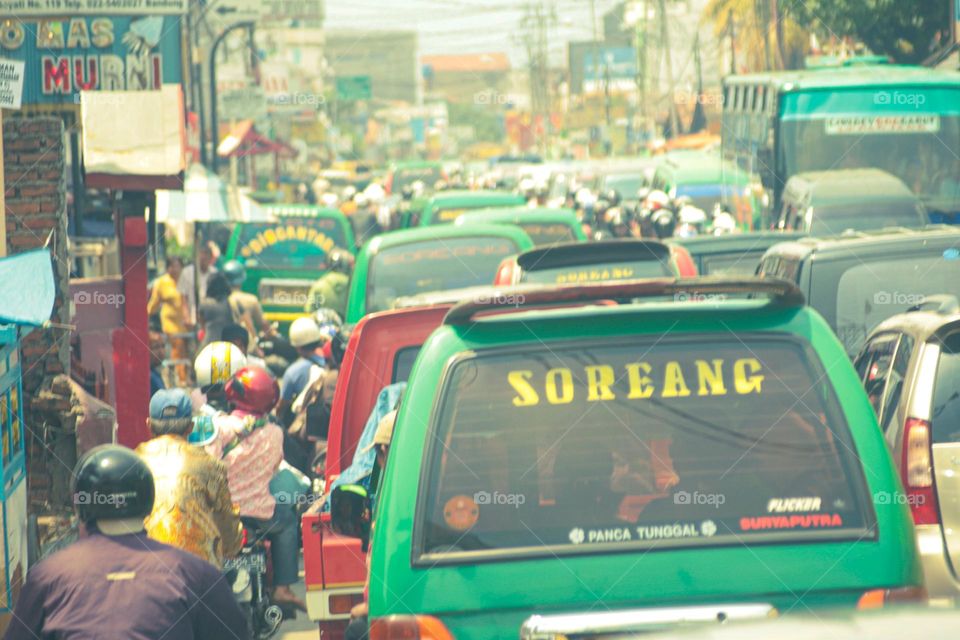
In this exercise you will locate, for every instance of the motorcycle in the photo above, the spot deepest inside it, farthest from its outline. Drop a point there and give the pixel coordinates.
(247, 575)
(278, 353)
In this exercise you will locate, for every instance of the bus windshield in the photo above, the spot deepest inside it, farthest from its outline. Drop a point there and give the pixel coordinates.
(920, 150)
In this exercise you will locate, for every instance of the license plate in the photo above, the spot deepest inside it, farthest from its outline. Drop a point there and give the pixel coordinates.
(252, 562)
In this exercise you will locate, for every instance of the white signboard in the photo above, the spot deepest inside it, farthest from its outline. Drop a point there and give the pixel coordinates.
(11, 83)
(860, 125)
(65, 8)
(280, 10)
(246, 104)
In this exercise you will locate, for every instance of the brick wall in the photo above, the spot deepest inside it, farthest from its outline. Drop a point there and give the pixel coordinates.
(34, 165)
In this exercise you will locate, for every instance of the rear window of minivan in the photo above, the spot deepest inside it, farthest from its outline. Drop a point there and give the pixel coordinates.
(856, 295)
(692, 442)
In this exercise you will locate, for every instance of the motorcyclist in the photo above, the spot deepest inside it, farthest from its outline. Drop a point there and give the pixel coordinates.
(214, 365)
(193, 509)
(117, 582)
(246, 306)
(330, 290)
(251, 446)
(308, 339)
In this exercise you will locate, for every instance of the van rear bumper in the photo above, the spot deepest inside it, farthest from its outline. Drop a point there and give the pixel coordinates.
(942, 585)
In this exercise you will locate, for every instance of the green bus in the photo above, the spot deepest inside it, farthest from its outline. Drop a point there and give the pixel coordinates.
(283, 258)
(903, 120)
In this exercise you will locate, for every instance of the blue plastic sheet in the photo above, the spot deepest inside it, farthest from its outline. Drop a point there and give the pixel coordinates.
(365, 456)
(27, 289)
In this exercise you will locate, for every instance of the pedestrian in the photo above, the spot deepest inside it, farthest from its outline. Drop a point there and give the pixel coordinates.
(195, 278)
(168, 300)
(215, 311)
(192, 509)
(116, 582)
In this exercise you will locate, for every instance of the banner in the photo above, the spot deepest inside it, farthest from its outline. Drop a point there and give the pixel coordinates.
(66, 56)
(60, 8)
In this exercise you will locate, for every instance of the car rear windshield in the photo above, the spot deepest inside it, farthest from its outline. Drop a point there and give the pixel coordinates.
(671, 442)
(856, 295)
(405, 177)
(743, 263)
(946, 395)
(836, 219)
(601, 272)
(548, 233)
(294, 243)
(434, 265)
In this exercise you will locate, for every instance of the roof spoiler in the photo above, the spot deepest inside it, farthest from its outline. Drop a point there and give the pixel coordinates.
(943, 304)
(781, 294)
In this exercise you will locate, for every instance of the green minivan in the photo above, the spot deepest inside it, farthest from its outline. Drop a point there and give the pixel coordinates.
(703, 452)
(544, 225)
(413, 261)
(445, 207)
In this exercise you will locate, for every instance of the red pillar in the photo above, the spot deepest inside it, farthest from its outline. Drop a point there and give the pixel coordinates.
(131, 352)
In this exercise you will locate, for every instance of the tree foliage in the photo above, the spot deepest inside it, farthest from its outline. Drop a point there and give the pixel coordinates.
(907, 31)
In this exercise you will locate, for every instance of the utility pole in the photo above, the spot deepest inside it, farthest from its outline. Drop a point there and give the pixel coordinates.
(733, 43)
(606, 79)
(535, 26)
(665, 44)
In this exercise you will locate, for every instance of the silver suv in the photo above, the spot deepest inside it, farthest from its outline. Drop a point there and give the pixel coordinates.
(910, 366)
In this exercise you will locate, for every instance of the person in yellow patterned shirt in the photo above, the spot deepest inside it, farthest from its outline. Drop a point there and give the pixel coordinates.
(192, 509)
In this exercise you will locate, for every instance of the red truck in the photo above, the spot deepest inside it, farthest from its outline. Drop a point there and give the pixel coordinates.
(381, 351)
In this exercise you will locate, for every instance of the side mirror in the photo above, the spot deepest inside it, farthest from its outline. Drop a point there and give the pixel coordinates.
(350, 512)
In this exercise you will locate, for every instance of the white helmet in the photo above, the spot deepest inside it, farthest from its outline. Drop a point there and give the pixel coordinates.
(375, 192)
(217, 362)
(329, 199)
(361, 199)
(657, 199)
(304, 331)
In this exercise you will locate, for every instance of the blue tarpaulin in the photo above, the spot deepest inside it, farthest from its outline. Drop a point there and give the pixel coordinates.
(365, 456)
(27, 289)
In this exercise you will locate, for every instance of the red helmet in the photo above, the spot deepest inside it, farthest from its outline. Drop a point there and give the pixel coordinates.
(253, 389)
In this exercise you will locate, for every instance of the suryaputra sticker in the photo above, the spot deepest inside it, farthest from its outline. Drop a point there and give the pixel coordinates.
(461, 513)
(808, 521)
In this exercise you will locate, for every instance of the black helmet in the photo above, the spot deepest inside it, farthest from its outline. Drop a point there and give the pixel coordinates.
(111, 482)
(612, 196)
(338, 346)
(234, 272)
(340, 261)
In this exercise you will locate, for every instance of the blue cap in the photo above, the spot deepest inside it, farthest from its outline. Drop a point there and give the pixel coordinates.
(170, 403)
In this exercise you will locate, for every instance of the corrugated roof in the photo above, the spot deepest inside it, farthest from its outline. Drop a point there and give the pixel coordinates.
(468, 62)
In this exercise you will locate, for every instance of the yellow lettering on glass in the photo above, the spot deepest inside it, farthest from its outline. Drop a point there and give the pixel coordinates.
(526, 395)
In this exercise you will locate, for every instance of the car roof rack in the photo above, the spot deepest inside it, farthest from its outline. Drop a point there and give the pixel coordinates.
(943, 304)
(781, 294)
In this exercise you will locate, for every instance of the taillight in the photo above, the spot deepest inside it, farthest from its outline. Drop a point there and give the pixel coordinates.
(505, 273)
(408, 628)
(243, 538)
(918, 471)
(879, 598)
(343, 602)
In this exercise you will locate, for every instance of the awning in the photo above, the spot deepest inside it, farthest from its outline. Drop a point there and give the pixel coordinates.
(244, 140)
(207, 198)
(27, 289)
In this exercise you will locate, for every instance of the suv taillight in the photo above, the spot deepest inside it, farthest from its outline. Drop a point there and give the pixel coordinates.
(408, 628)
(918, 471)
(879, 598)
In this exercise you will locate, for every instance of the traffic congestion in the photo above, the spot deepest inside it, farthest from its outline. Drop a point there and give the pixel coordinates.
(698, 380)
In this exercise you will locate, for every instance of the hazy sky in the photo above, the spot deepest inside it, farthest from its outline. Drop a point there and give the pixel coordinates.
(467, 26)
